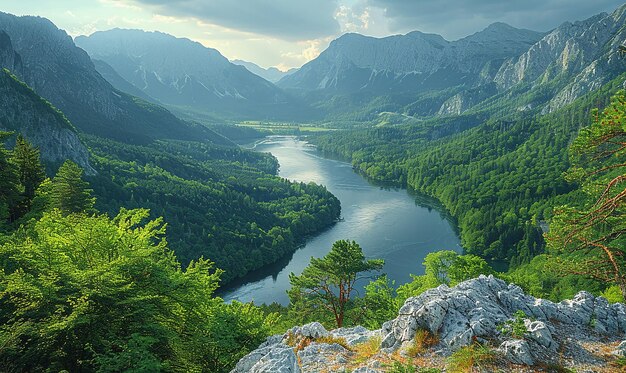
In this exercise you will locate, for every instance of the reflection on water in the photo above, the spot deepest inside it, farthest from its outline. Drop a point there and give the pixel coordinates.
(386, 222)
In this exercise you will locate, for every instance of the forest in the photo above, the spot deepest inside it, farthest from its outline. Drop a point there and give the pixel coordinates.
(86, 290)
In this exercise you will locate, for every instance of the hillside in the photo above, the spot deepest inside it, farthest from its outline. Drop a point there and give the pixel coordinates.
(23, 111)
(188, 76)
(63, 74)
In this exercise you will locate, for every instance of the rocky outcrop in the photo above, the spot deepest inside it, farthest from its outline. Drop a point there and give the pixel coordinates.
(519, 328)
(573, 59)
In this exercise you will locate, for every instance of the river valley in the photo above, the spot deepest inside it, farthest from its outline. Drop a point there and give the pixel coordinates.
(387, 223)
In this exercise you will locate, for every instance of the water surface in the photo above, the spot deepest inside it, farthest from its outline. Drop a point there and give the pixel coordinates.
(387, 223)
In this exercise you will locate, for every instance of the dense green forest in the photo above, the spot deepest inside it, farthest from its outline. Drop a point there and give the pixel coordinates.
(83, 288)
(499, 179)
(220, 202)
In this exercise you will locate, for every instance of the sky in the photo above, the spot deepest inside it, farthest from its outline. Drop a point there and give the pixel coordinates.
(289, 33)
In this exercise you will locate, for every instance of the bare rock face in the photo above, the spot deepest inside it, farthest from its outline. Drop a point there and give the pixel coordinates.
(521, 329)
(23, 111)
(60, 72)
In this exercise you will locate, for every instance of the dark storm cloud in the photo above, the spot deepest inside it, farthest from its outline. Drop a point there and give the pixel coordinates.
(284, 19)
(458, 18)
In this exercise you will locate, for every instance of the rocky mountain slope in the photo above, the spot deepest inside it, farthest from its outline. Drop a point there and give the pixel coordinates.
(185, 74)
(23, 111)
(496, 70)
(412, 62)
(62, 73)
(517, 333)
(568, 62)
(270, 74)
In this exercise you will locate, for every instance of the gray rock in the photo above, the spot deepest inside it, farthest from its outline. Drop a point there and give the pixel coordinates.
(472, 311)
(354, 336)
(276, 358)
(517, 351)
(620, 350)
(539, 332)
(320, 356)
(312, 330)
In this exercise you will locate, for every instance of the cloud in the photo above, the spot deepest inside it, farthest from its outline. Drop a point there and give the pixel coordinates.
(293, 20)
(457, 18)
(307, 51)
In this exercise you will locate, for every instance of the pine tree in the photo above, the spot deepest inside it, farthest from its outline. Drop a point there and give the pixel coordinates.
(30, 173)
(70, 193)
(329, 282)
(9, 182)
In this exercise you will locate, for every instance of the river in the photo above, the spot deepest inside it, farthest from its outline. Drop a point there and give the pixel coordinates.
(387, 223)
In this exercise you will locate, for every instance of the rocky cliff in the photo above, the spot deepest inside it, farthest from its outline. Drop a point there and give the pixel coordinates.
(63, 74)
(23, 111)
(519, 333)
(415, 61)
(498, 69)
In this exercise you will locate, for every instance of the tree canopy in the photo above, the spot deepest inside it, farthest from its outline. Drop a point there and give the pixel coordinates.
(590, 237)
(329, 282)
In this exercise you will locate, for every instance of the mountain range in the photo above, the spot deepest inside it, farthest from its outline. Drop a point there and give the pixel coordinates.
(187, 76)
(270, 74)
(423, 75)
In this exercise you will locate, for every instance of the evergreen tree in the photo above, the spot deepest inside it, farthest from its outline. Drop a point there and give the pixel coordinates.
(328, 282)
(589, 240)
(9, 183)
(70, 193)
(30, 173)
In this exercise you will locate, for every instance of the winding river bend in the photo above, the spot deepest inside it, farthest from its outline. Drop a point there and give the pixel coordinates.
(387, 223)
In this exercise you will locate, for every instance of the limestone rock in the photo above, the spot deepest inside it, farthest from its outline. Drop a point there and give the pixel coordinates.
(517, 351)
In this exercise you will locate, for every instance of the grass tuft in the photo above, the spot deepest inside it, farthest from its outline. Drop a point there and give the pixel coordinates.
(467, 358)
(423, 340)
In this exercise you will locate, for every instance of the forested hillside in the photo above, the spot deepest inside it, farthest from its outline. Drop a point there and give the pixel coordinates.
(222, 203)
(500, 180)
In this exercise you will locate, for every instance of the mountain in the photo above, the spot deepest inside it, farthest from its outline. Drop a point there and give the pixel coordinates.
(573, 59)
(23, 111)
(186, 75)
(413, 62)
(271, 74)
(120, 83)
(500, 69)
(62, 73)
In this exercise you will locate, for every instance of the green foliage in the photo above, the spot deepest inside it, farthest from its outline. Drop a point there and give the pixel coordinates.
(30, 173)
(222, 203)
(398, 367)
(9, 184)
(89, 293)
(515, 327)
(444, 267)
(69, 192)
(465, 359)
(328, 282)
(379, 303)
(498, 178)
(613, 294)
(588, 238)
